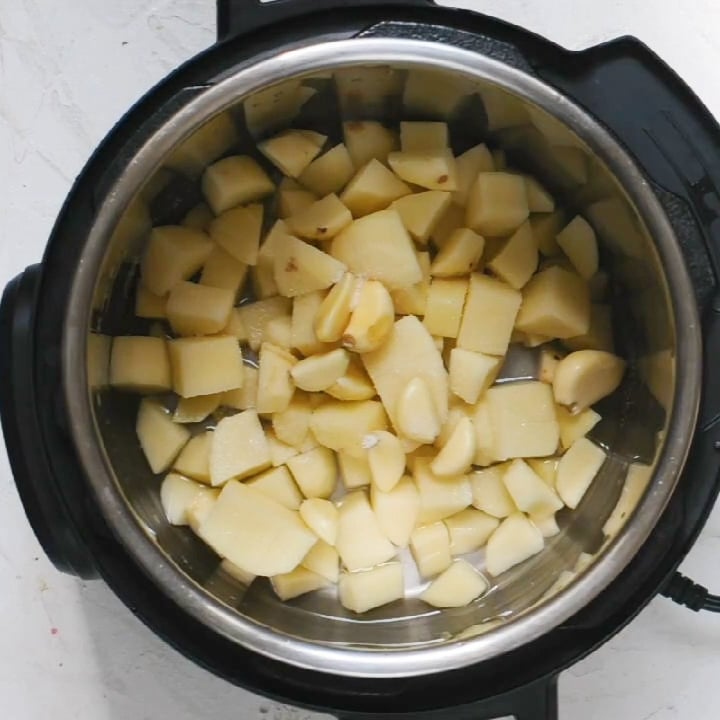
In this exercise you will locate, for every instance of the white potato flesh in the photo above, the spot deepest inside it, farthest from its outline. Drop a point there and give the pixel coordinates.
(546, 468)
(194, 309)
(324, 560)
(369, 589)
(471, 373)
(578, 242)
(577, 469)
(430, 547)
(467, 167)
(237, 573)
(354, 470)
(529, 491)
(489, 493)
(291, 151)
(517, 259)
(360, 541)
(299, 581)
(445, 303)
(469, 530)
(458, 452)
(200, 509)
(431, 170)
(255, 317)
(413, 300)
(421, 212)
(321, 516)
(315, 472)
(386, 459)
(343, 425)
(194, 459)
(368, 140)
(322, 220)
(484, 434)
(301, 268)
(329, 173)
(277, 483)
(424, 136)
(235, 181)
(140, 364)
(237, 231)
(497, 204)
(222, 270)
(244, 397)
(239, 448)
(397, 511)
(177, 494)
(515, 541)
(573, 427)
(148, 305)
(372, 189)
(275, 386)
(459, 255)
(160, 438)
(292, 425)
(585, 376)
(196, 409)
(452, 220)
(302, 331)
(439, 497)
(539, 199)
(280, 452)
(255, 532)
(546, 524)
(458, 586)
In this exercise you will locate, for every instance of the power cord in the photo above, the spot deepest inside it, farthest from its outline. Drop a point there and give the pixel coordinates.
(683, 591)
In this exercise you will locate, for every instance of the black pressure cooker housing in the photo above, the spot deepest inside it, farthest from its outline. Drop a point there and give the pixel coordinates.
(630, 91)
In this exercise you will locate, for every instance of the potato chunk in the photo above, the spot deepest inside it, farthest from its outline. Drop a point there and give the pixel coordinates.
(430, 546)
(303, 336)
(277, 483)
(578, 242)
(315, 472)
(363, 591)
(517, 258)
(397, 511)
(194, 459)
(458, 586)
(235, 181)
(140, 364)
(469, 530)
(459, 255)
(421, 212)
(386, 458)
(275, 386)
(299, 581)
(255, 532)
(194, 309)
(573, 427)
(431, 170)
(467, 167)
(160, 438)
(196, 409)
(471, 373)
(148, 305)
(177, 495)
(329, 173)
(372, 189)
(368, 140)
(489, 493)
(439, 497)
(445, 303)
(205, 365)
(528, 491)
(322, 220)
(577, 469)
(515, 541)
(245, 397)
(222, 270)
(497, 204)
(424, 136)
(321, 516)
(255, 317)
(237, 231)
(291, 151)
(343, 425)
(301, 268)
(355, 471)
(323, 559)
(238, 449)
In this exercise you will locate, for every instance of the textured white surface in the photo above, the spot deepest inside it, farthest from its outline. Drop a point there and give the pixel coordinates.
(70, 650)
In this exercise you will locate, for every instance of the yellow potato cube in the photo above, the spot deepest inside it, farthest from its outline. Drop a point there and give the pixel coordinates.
(529, 491)
(160, 438)
(471, 373)
(484, 434)
(329, 173)
(444, 311)
(577, 469)
(469, 530)
(431, 170)
(196, 409)
(254, 317)
(315, 472)
(275, 385)
(194, 309)
(263, 274)
(386, 458)
(237, 231)
(323, 558)
(290, 151)
(545, 229)
(140, 364)
(517, 258)
(424, 136)
(278, 484)
(177, 495)
(422, 211)
(278, 332)
(573, 427)
(397, 510)
(323, 220)
(343, 425)
(205, 144)
(600, 333)
(578, 242)
(302, 327)
(458, 452)
(368, 140)
(280, 453)
(452, 220)
(173, 254)
(354, 470)
(516, 540)
(194, 459)
(430, 546)
(292, 425)
(378, 247)
(298, 582)
(489, 493)
(234, 181)
(539, 199)
(458, 586)
(222, 270)
(460, 255)
(413, 300)
(489, 316)
(207, 365)
(555, 303)
(439, 497)
(238, 448)
(319, 372)
(368, 589)
(546, 468)
(201, 508)
(199, 217)
(244, 397)
(293, 201)
(523, 419)
(321, 516)
(467, 167)
(301, 268)
(372, 189)
(148, 305)
(497, 203)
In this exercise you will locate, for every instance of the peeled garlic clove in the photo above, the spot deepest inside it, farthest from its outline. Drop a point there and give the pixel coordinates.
(577, 469)
(371, 320)
(547, 365)
(386, 458)
(353, 385)
(416, 415)
(334, 312)
(457, 455)
(321, 516)
(319, 372)
(586, 376)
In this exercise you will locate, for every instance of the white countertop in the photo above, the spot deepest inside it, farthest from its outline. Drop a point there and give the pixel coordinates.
(71, 650)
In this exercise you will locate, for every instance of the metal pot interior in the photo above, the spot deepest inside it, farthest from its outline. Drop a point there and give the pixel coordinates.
(646, 424)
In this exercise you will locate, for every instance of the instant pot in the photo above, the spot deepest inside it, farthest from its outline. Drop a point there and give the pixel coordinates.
(615, 135)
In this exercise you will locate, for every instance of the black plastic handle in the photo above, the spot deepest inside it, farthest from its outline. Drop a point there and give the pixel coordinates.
(36, 482)
(244, 16)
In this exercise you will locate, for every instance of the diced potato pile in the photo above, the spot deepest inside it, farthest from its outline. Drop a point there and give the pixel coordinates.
(335, 370)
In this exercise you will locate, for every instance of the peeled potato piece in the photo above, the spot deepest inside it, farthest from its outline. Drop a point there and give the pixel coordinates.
(515, 541)
(577, 469)
(148, 305)
(458, 586)
(373, 189)
(517, 259)
(546, 524)
(431, 170)
(368, 140)
(328, 173)
(196, 409)
(243, 398)
(343, 425)
(277, 483)
(322, 220)
(471, 373)
(573, 427)
(459, 255)
(444, 309)
(528, 491)
(255, 317)
(299, 581)
(140, 364)
(489, 493)
(539, 199)
(586, 376)
(323, 559)
(238, 449)
(235, 181)
(430, 546)
(469, 530)
(237, 573)
(200, 509)
(280, 452)
(160, 438)
(397, 510)
(302, 333)
(497, 204)
(439, 497)
(421, 212)
(194, 459)
(579, 243)
(291, 151)
(368, 589)
(424, 136)
(222, 270)
(321, 516)
(194, 309)
(301, 268)
(315, 472)
(275, 386)
(355, 471)
(177, 494)
(205, 365)
(386, 458)
(237, 231)
(467, 167)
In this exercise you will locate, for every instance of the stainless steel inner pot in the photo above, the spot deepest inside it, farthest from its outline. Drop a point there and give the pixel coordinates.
(647, 428)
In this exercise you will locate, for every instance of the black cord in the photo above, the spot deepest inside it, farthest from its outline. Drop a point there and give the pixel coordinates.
(684, 591)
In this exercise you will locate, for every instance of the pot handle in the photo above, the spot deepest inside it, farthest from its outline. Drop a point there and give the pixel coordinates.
(236, 16)
(44, 505)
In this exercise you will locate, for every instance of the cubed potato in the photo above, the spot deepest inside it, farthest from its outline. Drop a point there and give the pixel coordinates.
(577, 240)
(301, 268)
(469, 530)
(397, 511)
(421, 212)
(333, 313)
(323, 558)
(458, 453)
(321, 516)
(386, 458)
(529, 491)
(573, 427)
(523, 419)
(484, 434)
(200, 509)
(471, 373)
(245, 397)
(354, 470)
(278, 332)
(196, 409)
(413, 300)
(292, 425)
(343, 425)
(277, 483)
(199, 217)
(452, 220)
(236, 326)
(222, 270)
(545, 229)
(140, 364)
(323, 220)
(368, 589)
(237, 231)
(148, 305)
(315, 472)
(555, 303)
(245, 578)
(371, 320)
(517, 258)
(545, 468)
(302, 328)
(275, 386)
(293, 201)
(460, 255)
(515, 541)
(458, 586)
(539, 199)
(585, 376)
(173, 254)
(497, 204)
(234, 181)
(177, 495)
(546, 524)
(280, 452)
(439, 497)
(194, 309)
(368, 140)
(430, 547)
(360, 541)
(238, 448)
(329, 173)
(445, 303)
(600, 333)
(408, 353)
(353, 385)
(99, 348)
(467, 167)
(378, 247)
(291, 151)
(299, 581)
(577, 469)
(424, 137)
(194, 459)
(319, 372)
(489, 493)
(255, 532)
(205, 365)
(255, 317)
(431, 170)
(502, 109)
(372, 189)
(160, 438)
(490, 313)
